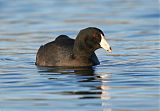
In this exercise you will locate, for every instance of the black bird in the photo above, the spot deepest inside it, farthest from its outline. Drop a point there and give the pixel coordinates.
(65, 51)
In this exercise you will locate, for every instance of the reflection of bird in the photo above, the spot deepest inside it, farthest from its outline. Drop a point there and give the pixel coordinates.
(81, 71)
(105, 94)
(65, 51)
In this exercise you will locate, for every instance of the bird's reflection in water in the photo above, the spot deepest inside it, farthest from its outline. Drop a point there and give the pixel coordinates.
(105, 94)
(89, 84)
(84, 71)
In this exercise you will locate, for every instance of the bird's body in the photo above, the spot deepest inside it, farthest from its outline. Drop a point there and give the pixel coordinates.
(60, 53)
(64, 51)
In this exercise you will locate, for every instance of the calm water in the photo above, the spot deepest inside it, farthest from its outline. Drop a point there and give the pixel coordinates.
(126, 80)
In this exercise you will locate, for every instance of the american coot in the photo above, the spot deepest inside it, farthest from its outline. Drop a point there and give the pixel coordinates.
(65, 51)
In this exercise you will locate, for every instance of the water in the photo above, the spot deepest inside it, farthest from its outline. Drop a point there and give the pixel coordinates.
(126, 80)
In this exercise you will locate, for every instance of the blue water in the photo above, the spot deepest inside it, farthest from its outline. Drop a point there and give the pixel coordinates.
(126, 80)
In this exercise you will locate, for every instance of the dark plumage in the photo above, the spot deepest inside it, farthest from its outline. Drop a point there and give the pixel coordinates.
(65, 51)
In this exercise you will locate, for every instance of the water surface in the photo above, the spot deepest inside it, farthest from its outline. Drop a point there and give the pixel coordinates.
(126, 80)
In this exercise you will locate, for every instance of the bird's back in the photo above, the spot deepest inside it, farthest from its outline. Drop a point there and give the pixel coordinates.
(55, 53)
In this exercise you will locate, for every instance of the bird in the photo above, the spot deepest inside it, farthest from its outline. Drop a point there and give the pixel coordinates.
(68, 52)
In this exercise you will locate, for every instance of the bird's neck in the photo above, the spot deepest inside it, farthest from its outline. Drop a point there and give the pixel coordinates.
(80, 50)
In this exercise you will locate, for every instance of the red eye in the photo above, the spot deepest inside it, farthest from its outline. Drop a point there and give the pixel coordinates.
(94, 36)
